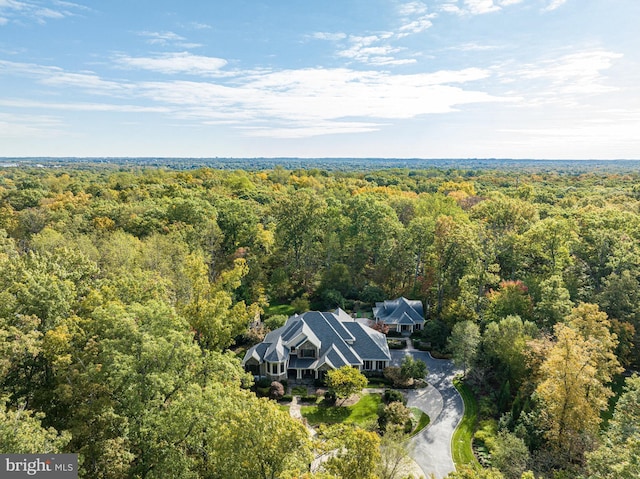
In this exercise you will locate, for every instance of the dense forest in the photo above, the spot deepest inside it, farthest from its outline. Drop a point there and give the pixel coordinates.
(124, 293)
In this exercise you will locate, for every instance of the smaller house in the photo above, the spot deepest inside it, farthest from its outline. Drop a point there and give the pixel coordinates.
(311, 344)
(401, 315)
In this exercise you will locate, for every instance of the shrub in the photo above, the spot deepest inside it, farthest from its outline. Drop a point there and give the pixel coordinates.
(263, 383)
(286, 398)
(309, 398)
(393, 395)
(413, 368)
(397, 343)
(263, 391)
(276, 390)
(392, 373)
(320, 382)
(299, 391)
(330, 397)
(396, 414)
(300, 305)
(275, 321)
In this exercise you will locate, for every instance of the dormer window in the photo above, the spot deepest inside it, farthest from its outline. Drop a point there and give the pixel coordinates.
(307, 353)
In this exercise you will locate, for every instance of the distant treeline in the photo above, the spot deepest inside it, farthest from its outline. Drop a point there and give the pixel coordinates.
(337, 164)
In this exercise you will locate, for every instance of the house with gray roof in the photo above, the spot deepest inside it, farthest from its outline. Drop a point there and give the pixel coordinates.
(400, 315)
(312, 343)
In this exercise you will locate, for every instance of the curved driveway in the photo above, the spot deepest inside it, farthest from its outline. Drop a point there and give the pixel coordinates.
(431, 447)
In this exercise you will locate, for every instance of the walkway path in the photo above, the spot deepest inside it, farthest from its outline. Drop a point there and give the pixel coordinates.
(431, 447)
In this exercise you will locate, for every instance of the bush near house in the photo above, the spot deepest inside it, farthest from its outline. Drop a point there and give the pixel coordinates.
(397, 343)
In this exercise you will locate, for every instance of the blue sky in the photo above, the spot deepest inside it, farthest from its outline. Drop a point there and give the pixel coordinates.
(321, 78)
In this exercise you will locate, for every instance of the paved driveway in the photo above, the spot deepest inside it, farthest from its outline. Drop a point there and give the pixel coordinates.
(431, 448)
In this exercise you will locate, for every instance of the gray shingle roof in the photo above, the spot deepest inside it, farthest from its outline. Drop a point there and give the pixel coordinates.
(341, 340)
(399, 311)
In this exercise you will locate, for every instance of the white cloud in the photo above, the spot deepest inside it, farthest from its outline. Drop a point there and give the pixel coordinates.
(575, 73)
(293, 103)
(554, 5)
(80, 106)
(171, 63)
(473, 47)
(200, 26)
(378, 48)
(34, 11)
(417, 26)
(309, 102)
(161, 38)
(477, 7)
(412, 8)
(3, 21)
(48, 13)
(334, 37)
(27, 126)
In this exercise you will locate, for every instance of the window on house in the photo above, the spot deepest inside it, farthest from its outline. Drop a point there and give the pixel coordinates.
(307, 353)
(380, 365)
(281, 368)
(368, 365)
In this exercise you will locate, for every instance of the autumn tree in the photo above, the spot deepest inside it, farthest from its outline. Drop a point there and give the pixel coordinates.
(353, 452)
(575, 377)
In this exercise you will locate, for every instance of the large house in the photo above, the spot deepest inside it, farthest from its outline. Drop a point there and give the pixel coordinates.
(401, 315)
(311, 344)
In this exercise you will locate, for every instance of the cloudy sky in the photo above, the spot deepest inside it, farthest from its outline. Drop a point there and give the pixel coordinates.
(320, 78)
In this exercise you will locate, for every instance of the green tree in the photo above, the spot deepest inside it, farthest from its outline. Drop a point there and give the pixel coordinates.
(464, 342)
(211, 311)
(413, 368)
(21, 432)
(507, 342)
(511, 299)
(554, 304)
(346, 381)
(618, 456)
(510, 455)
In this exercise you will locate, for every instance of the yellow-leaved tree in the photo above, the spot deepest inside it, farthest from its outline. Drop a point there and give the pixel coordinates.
(575, 377)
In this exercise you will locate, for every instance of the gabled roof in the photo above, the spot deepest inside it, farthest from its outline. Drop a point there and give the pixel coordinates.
(340, 341)
(399, 311)
(371, 344)
(276, 352)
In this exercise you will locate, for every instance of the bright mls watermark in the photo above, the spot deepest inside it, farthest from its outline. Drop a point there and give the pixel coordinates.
(48, 466)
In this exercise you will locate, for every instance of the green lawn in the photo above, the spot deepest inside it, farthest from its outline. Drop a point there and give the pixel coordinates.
(361, 413)
(463, 436)
(285, 309)
(423, 420)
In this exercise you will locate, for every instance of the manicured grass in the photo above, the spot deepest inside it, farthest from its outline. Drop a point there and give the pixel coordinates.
(285, 309)
(423, 420)
(361, 413)
(461, 448)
